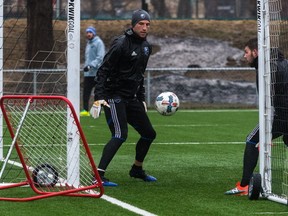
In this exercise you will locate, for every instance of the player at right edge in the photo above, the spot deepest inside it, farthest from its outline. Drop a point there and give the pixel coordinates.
(280, 124)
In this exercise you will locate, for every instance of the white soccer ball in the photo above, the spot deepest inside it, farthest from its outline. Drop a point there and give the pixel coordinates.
(167, 103)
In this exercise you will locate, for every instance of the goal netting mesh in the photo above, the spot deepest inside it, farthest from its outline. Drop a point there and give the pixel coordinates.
(28, 70)
(274, 43)
(49, 151)
(41, 140)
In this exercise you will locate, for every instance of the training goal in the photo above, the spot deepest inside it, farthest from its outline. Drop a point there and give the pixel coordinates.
(48, 151)
(272, 182)
(42, 145)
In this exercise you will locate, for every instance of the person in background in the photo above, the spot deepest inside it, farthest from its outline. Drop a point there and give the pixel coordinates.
(280, 115)
(94, 54)
(120, 90)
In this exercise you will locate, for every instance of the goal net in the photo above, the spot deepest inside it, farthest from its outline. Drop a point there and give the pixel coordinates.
(273, 93)
(40, 55)
(34, 58)
(48, 151)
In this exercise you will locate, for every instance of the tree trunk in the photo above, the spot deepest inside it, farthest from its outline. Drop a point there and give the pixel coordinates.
(160, 8)
(247, 8)
(39, 34)
(116, 6)
(210, 8)
(39, 48)
(184, 9)
(144, 5)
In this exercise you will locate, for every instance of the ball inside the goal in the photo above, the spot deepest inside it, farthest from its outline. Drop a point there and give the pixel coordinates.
(167, 103)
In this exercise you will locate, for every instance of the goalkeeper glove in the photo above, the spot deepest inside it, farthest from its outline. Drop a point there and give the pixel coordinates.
(96, 108)
(87, 68)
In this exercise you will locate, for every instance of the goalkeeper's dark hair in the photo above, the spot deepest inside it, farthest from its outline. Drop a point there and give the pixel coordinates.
(252, 44)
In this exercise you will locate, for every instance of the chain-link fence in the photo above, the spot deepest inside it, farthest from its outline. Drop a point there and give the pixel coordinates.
(195, 87)
(204, 87)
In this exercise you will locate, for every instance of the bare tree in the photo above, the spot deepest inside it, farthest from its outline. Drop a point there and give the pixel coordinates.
(160, 8)
(246, 9)
(144, 5)
(116, 7)
(39, 45)
(39, 33)
(210, 8)
(184, 9)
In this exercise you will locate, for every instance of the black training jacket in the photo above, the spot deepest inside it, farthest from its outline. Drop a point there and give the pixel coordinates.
(122, 71)
(279, 82)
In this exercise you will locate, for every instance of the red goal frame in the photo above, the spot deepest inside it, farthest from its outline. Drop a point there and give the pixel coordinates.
(95, 189)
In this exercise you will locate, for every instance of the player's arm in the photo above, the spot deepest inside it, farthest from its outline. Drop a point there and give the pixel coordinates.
(110, 61)
(103, 74)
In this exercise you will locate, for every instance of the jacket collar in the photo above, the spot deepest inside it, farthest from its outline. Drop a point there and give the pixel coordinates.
(130, 33)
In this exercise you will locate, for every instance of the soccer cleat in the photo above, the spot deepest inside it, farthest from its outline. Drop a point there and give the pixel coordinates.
(105, 182)
(135, 173)
(238, 190)
(84, 113)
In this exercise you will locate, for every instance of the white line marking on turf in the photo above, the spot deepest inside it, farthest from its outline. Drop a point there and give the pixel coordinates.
(175, 125)
(198, 143)
(174, 143)
(192, 125)
(216, 110)
(127, 206)
(107, 198)
(271, 213)
(181, 143)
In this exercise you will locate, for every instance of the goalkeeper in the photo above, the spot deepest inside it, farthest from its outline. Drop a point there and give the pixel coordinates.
(280, 104)
(120, 90)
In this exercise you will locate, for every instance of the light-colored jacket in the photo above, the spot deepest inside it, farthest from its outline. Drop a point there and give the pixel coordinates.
(94, 54)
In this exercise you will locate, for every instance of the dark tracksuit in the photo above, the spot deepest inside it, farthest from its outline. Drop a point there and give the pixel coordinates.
(279, 92)
(120, 81)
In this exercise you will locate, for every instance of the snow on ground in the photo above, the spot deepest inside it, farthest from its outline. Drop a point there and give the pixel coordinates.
(182, 52)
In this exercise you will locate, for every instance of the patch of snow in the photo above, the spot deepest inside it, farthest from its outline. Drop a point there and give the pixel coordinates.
(182, 52)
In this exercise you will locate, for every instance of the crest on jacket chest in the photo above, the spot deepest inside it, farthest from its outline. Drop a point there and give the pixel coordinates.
(146, 50)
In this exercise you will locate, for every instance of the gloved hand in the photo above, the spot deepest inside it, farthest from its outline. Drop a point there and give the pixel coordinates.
(96, 108)
(87, 68)
(145, 106)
